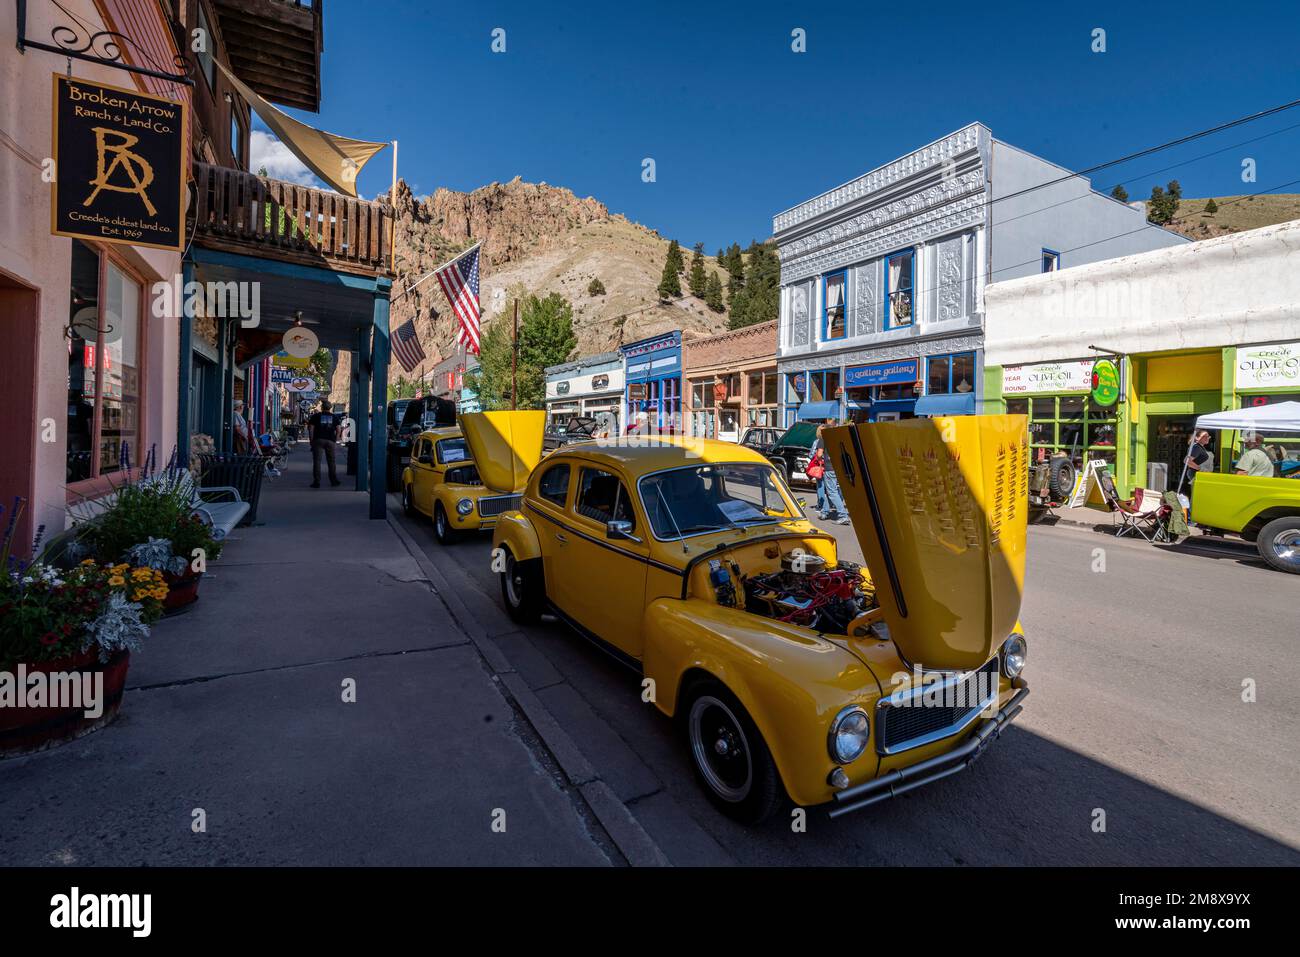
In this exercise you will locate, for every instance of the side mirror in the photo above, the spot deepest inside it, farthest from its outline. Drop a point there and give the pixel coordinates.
(619, 529)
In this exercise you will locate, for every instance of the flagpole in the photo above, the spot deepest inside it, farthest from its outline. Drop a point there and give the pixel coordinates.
(392, 224)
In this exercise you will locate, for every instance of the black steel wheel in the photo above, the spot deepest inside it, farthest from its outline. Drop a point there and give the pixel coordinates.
(731, 759)
(442, 527)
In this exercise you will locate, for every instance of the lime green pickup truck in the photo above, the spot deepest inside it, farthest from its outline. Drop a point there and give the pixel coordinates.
(1265, 511)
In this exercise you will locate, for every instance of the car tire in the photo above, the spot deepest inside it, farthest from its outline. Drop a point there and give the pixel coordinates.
(442, 527)
(523, 590)
(408, 503)
(1279, 543)
(1060, 479)
(732, 761)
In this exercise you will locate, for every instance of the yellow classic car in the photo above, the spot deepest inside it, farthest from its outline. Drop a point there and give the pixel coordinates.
(465, 481)
(794, 673)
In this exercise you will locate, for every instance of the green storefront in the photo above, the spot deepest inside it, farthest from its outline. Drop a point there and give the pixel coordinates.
(1144, 436)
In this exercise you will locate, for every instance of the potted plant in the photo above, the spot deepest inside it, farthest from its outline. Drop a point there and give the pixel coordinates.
(152, 523)
(67, 631)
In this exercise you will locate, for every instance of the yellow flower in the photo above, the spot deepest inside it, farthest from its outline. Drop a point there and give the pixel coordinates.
(88, 561)
(119, 569)
(117, 580)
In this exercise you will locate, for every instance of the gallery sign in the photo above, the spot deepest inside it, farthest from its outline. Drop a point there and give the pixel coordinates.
(1048, 377)
(1268, 367)
(885, 373)
(119, 165)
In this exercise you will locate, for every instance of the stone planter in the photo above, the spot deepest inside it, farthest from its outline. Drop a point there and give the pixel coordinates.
(26, 729)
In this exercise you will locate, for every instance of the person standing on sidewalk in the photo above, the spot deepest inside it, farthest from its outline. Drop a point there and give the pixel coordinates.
(322, 429)
(835, 509)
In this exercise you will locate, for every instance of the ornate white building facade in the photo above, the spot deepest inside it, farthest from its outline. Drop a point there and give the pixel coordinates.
(882, 279)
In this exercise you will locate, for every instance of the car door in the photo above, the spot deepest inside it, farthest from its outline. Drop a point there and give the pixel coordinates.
(422, 476)
(547, 510)
(601, 582)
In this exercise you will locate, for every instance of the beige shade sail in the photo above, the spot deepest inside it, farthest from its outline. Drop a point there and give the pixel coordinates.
(335, 159)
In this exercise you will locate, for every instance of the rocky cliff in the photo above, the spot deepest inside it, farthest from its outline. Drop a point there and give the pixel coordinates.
(543, 239)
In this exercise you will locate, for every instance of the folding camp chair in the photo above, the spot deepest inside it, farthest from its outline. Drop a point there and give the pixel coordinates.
(1145, 513)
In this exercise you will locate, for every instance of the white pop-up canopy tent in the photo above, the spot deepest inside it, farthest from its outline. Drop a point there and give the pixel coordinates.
(1279, 417)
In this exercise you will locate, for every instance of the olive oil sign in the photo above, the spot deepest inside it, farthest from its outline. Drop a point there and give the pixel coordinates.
(119, 174)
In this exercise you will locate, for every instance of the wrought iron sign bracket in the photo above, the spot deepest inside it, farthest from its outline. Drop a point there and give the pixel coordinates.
(102, 47)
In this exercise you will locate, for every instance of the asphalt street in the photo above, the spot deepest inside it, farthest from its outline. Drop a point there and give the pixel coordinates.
(1136, 746)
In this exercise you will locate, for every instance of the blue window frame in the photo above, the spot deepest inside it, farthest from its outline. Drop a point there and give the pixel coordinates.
(1051, 260)
(835, 287)
(900, 276)
(950, 374)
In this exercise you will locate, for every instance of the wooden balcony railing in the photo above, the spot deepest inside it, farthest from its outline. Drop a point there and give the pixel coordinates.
(240, 212)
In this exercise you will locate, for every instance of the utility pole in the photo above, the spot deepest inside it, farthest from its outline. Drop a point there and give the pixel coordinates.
(514, 361)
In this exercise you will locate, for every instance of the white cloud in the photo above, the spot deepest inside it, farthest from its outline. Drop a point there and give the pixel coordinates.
(267, 151)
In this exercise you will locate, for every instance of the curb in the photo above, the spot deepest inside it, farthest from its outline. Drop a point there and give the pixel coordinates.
(631, 839)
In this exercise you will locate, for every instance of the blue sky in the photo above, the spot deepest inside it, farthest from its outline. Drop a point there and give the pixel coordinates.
(740, 127)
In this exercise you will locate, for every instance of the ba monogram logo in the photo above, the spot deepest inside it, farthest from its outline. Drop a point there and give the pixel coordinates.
(135, 166)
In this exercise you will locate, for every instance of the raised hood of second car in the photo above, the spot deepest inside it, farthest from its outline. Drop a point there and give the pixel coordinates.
(505, 446)
(939, 507)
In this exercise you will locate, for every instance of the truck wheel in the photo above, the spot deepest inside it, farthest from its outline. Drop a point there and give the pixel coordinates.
(442, 529)
(731, 759)
(523, 591)
(1279, 543)
(1060, 479)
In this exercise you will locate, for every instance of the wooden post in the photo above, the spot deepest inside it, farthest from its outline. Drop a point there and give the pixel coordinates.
(514, 362)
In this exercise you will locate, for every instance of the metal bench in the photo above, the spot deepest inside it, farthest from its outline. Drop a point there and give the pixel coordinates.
(220, 516)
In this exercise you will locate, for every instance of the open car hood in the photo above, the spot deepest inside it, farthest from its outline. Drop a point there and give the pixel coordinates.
(505, 446)
(939, 507)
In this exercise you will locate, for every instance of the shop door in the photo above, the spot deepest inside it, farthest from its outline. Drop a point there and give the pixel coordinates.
(1168, 438)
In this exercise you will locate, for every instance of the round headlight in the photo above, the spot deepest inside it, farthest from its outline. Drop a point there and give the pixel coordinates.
(1014, 650)
(464, 506)
(850, 732)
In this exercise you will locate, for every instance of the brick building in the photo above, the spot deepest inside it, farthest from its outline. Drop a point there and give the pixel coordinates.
(731, 381)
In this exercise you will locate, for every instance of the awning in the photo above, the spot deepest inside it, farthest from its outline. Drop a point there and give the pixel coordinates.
(957, 403)
(819, 410)
(1278, 417)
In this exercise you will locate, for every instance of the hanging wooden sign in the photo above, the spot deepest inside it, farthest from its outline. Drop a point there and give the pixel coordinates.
(119, 165)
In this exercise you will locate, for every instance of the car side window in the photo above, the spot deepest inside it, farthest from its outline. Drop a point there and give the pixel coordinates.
(554, 484)
(421, 447)
(602, 498)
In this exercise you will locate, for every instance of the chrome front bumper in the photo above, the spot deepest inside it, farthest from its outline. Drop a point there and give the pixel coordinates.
(901, 780)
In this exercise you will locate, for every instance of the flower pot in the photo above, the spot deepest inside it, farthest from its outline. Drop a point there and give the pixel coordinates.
(25, 728)
(182, 590)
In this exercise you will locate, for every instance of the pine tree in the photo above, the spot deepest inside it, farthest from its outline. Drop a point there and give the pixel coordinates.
(713, 293)
(1163, 205)
(735, 266)
(1120, 193)
(669, 286)
(675, 258)
(720, 256)
(758, 298)
(596, 287)
(698, 279)
(1211, 207)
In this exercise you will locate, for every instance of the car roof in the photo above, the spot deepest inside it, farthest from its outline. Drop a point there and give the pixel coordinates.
(640, 455)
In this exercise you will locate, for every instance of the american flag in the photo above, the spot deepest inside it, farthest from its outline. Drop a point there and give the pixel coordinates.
(459, 279)
(406, 346)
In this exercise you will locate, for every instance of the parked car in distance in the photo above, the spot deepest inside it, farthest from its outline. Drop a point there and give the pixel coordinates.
(576, 428)
(417, 415)
(760, 438)
(792, 452)
(465, 476)
(792, 672)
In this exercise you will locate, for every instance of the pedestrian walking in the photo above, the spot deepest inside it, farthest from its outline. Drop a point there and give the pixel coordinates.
(322, 429)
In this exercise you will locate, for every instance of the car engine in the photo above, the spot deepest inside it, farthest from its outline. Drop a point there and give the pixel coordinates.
(809, 592)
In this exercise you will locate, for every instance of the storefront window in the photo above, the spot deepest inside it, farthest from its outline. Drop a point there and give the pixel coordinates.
(951, 374)
(104, 349)
(1068, 423)
(702, 393)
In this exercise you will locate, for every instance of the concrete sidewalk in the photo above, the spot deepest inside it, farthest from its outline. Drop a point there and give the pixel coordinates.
(237, 708)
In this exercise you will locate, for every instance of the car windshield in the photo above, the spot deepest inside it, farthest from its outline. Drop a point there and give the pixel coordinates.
(452, 450)
(707, 498)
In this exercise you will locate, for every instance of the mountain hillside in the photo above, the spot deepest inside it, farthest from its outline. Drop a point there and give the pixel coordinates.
(1234, 214)
(542, 239)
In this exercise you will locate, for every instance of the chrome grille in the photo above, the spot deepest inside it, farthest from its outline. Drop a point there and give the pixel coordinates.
(491, 506)
(934, 710)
